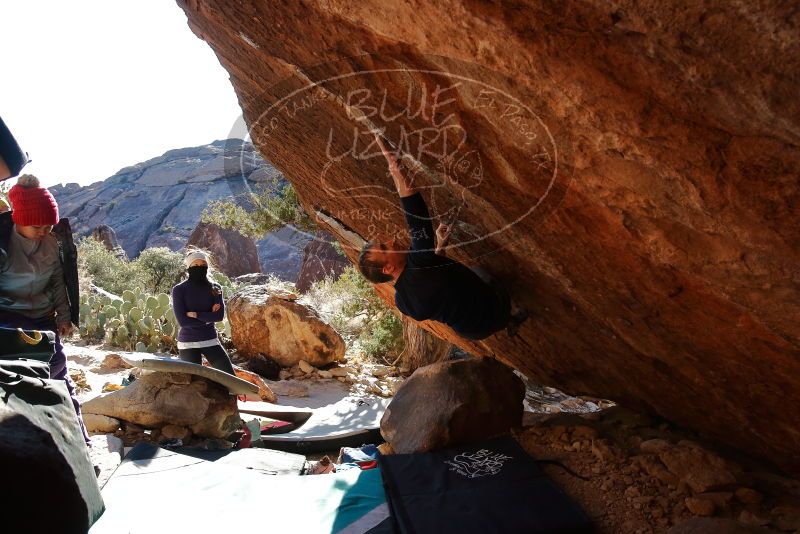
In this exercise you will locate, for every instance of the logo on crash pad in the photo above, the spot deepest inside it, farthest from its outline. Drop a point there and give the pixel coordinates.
(478, 464)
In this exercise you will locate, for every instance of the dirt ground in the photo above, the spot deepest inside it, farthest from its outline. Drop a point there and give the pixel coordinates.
(644, 476)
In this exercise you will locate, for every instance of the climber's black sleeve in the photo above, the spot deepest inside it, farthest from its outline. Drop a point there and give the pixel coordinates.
(418, 219)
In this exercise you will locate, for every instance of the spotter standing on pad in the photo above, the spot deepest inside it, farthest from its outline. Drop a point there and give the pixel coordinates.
(198, 304)
(428, 285)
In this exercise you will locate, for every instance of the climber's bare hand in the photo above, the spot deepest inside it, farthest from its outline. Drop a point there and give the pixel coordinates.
(442, 236)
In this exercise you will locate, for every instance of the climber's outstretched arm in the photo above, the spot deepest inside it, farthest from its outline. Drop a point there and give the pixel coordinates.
(401, 183)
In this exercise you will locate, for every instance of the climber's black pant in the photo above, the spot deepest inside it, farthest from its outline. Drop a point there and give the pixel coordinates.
(215, 355)
(500, 305)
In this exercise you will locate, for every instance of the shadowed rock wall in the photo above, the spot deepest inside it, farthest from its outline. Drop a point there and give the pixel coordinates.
(636, 180)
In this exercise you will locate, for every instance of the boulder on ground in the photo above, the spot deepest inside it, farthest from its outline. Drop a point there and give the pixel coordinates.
(320, 260)
(700, 469)
(159, 399)
(100, 424)
(112, 363)
(261, 322)
(453, 402)
(233, 253)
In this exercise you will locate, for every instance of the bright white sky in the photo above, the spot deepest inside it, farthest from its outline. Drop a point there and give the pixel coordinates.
(92, 86)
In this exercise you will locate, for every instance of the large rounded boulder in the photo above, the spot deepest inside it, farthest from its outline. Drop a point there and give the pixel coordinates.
(158, 399)
(270, 322)
(453, 402)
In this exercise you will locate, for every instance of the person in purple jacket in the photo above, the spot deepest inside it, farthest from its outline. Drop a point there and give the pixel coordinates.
(198, 304)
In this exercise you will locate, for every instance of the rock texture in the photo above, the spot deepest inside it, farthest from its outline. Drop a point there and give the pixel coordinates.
(231, 252)
(628, 490)
(100, 424)
(264, 322)
(159, 202)
(158, 399)
(632, 165)
(108, 237)
(449, 403)
(421, 347)
(320, 260)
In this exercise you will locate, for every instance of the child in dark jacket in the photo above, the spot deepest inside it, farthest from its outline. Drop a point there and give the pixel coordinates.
(198, 304)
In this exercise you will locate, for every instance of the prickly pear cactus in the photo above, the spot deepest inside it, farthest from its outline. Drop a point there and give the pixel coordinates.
(137, 321)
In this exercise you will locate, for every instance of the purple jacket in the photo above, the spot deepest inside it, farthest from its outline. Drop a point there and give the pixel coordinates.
(198, 298)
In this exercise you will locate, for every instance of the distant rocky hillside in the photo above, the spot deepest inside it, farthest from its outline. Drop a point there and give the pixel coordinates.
(159, 203)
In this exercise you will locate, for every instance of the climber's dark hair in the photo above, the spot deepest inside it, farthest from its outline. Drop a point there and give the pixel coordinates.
(372, 270)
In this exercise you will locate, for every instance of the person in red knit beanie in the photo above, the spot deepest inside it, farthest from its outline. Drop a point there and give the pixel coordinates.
(33, 294)
(35, 211)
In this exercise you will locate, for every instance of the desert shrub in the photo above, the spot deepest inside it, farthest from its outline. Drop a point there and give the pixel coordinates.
(104, 269)
(160, 268)
(271, 207)
(351, 305)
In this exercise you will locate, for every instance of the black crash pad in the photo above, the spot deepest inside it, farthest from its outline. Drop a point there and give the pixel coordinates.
(489, 487)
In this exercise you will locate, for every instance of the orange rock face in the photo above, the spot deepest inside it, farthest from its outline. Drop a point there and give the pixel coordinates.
(628, 169)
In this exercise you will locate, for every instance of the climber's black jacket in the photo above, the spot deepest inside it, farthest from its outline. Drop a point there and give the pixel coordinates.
(438, 288)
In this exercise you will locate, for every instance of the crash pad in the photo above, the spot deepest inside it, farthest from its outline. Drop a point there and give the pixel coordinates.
(155, 490)
(234, 384)
(264, 461)
(492, 486)
(350, 422)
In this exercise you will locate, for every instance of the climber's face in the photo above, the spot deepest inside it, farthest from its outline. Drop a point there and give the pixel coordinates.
(35, 233)
(390, 255)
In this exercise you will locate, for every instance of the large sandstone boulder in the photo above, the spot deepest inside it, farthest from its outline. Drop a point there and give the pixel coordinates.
(231, 252)
(632, 165)
(158, 399)
(265, 322)
(320, 260)
(453, 402)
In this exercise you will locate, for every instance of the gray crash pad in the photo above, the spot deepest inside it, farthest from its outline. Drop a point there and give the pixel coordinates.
(235, 385)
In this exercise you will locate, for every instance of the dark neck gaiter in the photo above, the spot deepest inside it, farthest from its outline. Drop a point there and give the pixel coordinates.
(197, 274)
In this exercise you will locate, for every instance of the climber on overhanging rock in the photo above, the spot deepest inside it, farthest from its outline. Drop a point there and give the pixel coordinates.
(429, 286)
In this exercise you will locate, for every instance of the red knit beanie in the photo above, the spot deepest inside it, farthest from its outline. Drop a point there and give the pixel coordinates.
(32, 205)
